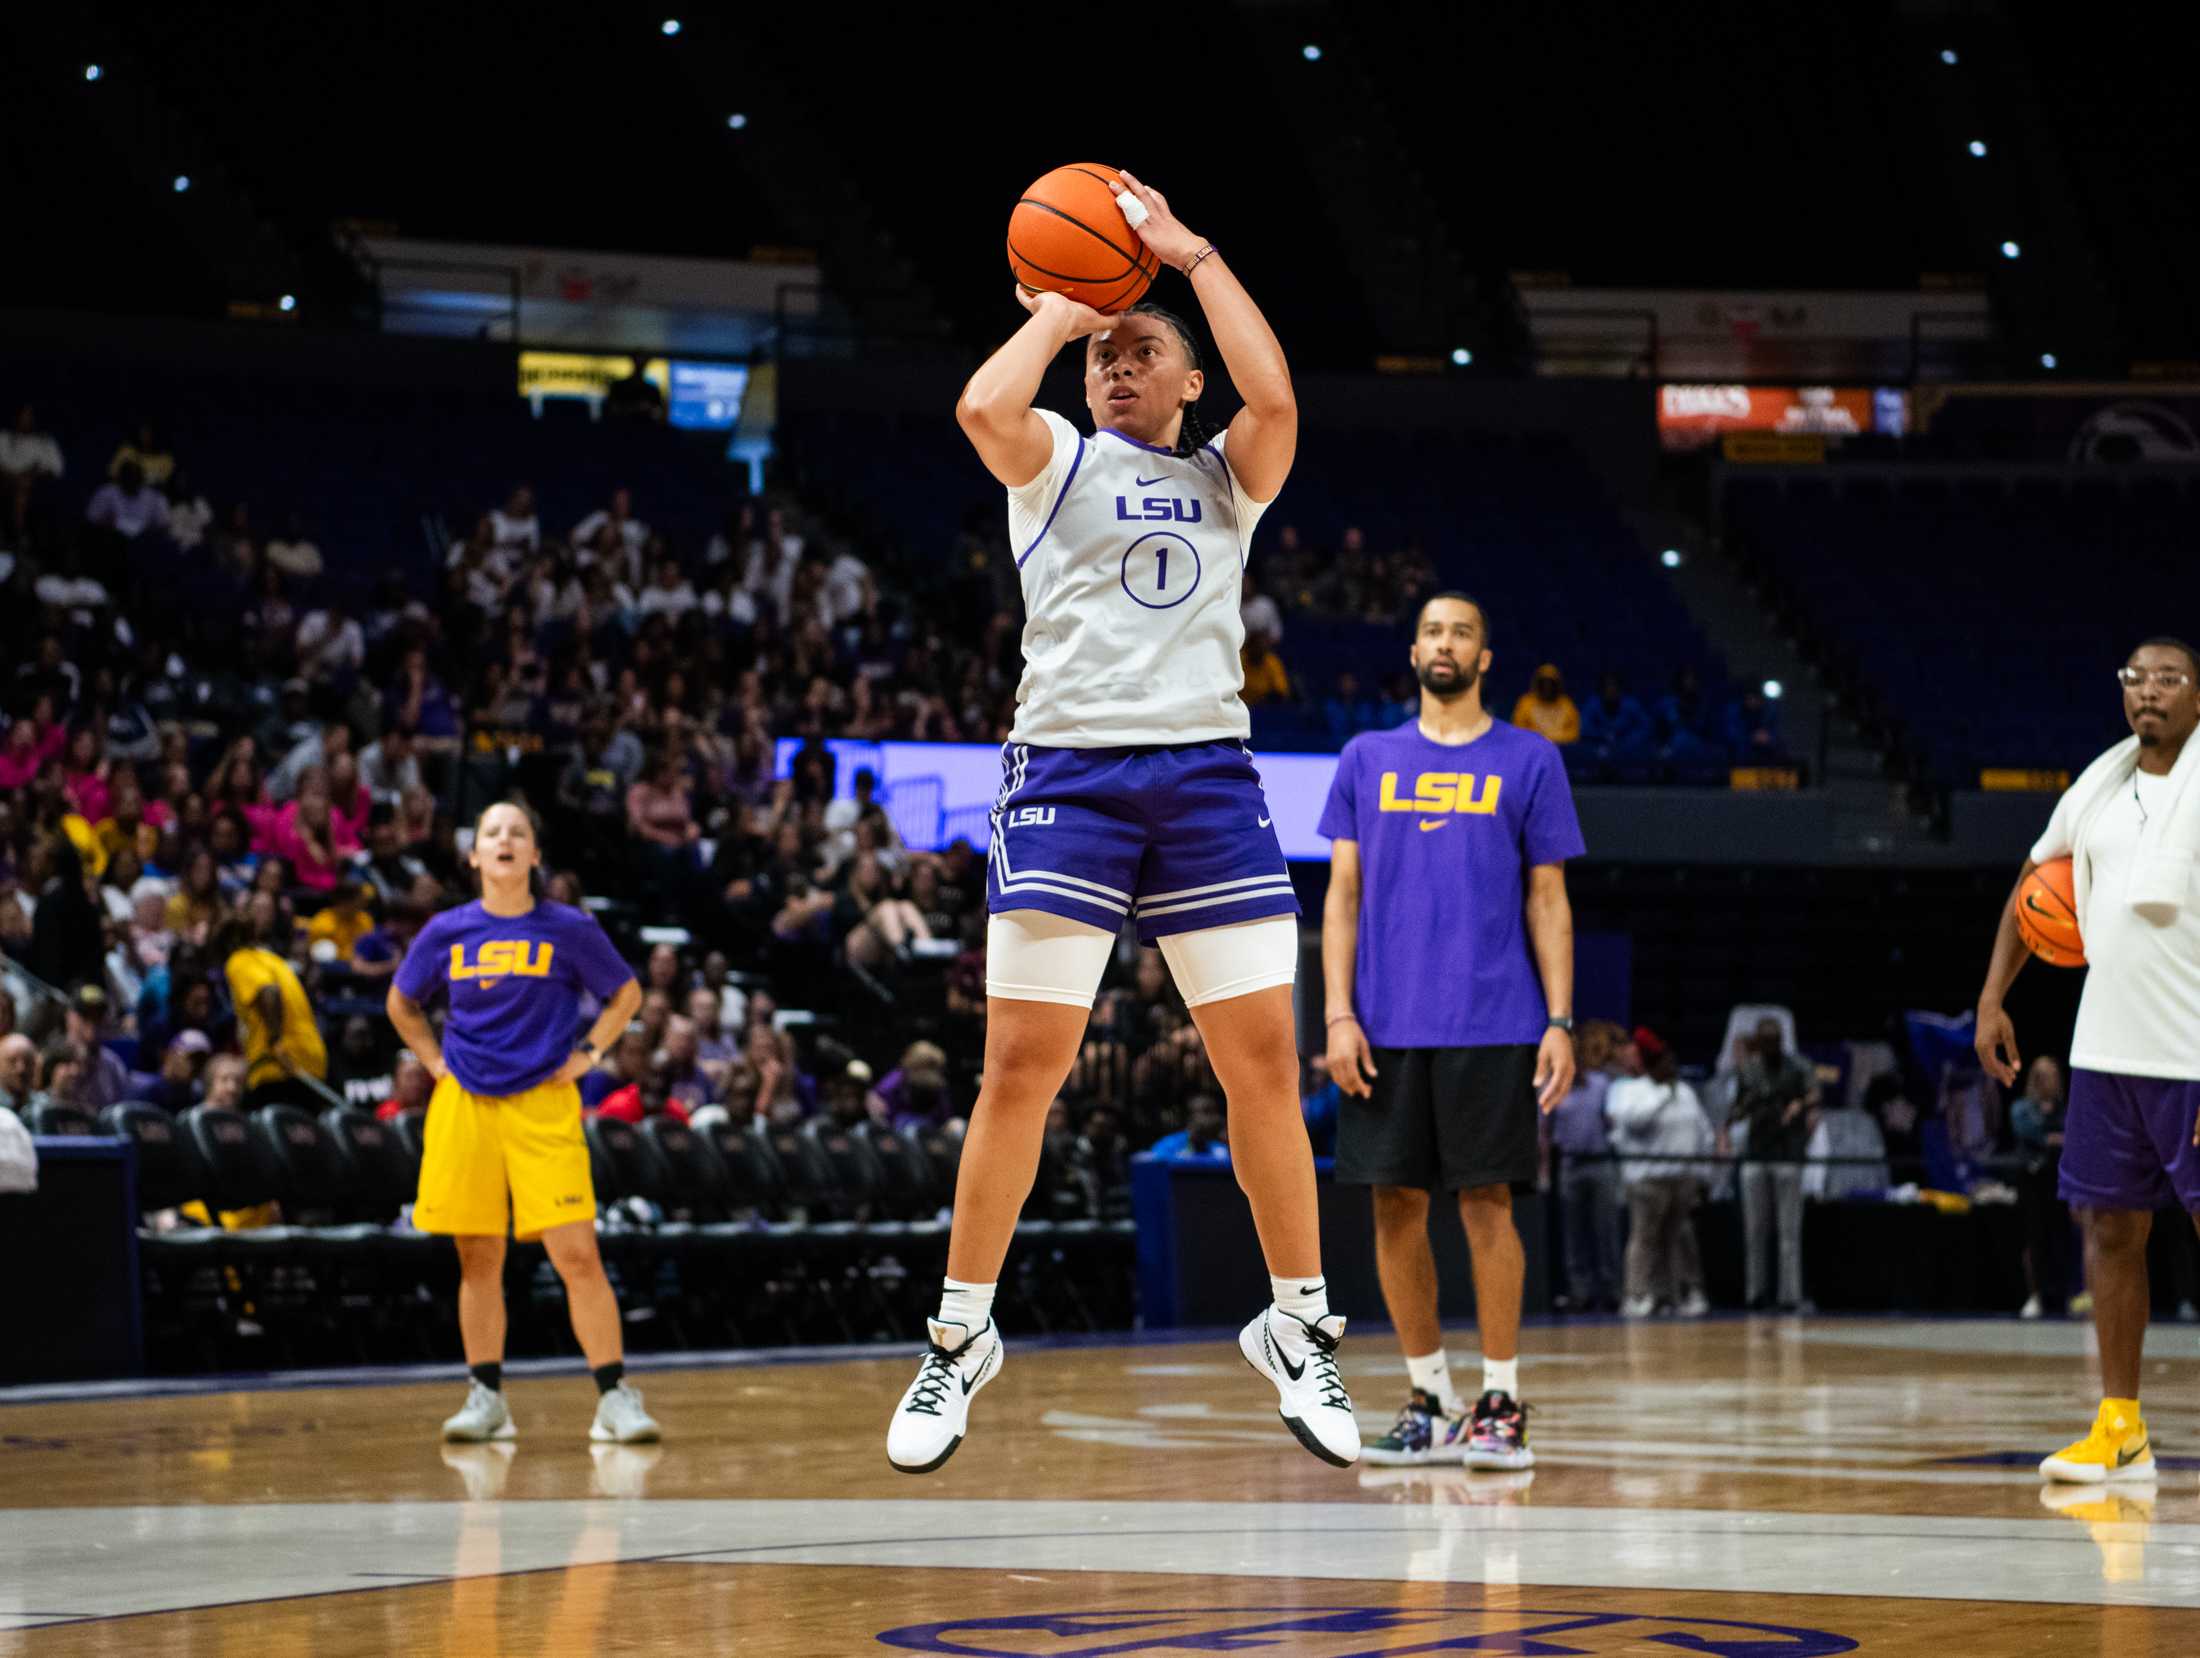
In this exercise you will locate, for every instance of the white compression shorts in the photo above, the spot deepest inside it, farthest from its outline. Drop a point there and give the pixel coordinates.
(1032, 956)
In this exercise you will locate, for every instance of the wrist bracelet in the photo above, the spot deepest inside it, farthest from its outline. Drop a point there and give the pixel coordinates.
(1340, 1018)
(1203, 253)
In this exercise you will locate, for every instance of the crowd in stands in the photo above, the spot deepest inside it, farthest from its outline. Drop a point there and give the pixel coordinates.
(1635, 1150)
(236, 779)
(1680, 734)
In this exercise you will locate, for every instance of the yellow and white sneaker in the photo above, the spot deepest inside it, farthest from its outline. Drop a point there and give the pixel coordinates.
(2117, 1449)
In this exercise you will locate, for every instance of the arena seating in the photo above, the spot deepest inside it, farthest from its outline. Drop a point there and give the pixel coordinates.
(718, 1238)
(1956, 600)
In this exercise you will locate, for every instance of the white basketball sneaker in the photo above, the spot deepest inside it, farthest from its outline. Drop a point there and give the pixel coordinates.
(1301, 1359)
(484, 1416)
(620, 1419)
(934, 1414)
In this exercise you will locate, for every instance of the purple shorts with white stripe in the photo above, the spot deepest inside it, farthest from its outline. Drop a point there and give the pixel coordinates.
(1178, 838)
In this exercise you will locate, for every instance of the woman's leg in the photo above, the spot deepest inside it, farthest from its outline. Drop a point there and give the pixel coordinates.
(1255, 1053)
(863, 945)
(1041, 973)
(1029, 1047)
(1236, 981)
(589, 1300)
(481, 1296)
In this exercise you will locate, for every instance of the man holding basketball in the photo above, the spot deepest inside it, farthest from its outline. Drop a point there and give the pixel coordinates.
(2131, 1140)
(1448, 966)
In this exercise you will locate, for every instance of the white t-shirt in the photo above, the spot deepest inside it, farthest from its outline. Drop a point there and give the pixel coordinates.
(844, 584)
(1132, 561)
(2139, 1013)
(515, 532)
(34, 452)
(670, 601)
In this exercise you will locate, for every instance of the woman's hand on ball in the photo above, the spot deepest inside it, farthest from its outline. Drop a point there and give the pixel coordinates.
(1162, 232)
(1075, 320)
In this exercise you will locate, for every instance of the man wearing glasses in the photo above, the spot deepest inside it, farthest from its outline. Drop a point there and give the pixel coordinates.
(2131, 826)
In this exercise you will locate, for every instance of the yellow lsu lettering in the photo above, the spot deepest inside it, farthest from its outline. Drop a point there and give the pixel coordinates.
(503, 958)
(1444, 792)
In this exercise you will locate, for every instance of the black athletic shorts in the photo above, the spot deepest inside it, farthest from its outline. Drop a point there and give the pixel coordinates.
(1443, 1119)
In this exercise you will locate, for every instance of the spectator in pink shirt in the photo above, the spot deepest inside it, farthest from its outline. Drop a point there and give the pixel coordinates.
(84, 773)
(308, 833)
(29, 744)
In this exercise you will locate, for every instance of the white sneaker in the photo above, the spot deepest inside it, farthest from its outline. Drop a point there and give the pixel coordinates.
(483, 1416)
(2031, 1307)
(1301, 1359)
(1695, 1304)
(1638, 1306)
(620, 1419)
(934, 1414)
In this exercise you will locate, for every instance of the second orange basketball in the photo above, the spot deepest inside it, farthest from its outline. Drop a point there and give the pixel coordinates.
(1067, 236)
(2047, 915)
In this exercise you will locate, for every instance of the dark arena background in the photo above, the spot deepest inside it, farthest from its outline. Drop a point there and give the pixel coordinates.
(405, 409)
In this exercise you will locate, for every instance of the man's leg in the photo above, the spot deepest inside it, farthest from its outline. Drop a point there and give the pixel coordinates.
(1756, 1182)
(1577, 1198)
(2116, 1271)
(1787, 1187)
(1643, 1246)
(1685, 1257)
(1407, 1268)
(1610, 1204)
(1500, 1269)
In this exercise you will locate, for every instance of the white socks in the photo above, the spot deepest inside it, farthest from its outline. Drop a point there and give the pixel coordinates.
(969, 1305)
(1431, 1373)
(1302, 1298)
(1501, 1376)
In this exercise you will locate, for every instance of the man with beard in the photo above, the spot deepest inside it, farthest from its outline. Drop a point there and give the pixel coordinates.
(2131, 1142)
(1450, 1012)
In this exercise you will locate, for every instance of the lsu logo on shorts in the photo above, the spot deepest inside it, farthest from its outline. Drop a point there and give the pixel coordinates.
(503, 958)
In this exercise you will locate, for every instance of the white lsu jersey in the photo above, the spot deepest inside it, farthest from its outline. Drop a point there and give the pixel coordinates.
(1132, 562)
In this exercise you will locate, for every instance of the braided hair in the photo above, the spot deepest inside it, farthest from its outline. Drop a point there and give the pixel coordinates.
(1193, 434)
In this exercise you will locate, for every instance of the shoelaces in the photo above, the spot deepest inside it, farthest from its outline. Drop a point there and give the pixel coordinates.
(933, 1381)
(1324, 1361)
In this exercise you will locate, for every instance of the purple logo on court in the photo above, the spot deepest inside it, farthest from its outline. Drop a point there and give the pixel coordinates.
(1343, 1631)
(1160, 569)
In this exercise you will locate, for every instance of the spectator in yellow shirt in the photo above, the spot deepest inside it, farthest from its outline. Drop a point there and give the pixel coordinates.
(1265, 680)
(1545, 707)
(342, 924)
(274, 1020)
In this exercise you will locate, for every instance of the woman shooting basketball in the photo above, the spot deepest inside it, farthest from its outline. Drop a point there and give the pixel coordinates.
(504, 1147)
(1129, 792)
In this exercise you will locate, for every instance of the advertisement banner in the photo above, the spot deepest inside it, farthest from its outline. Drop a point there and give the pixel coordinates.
(1691, 416)
(582, 374)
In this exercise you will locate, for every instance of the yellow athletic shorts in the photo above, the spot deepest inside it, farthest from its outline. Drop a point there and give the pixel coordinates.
(492, 1163)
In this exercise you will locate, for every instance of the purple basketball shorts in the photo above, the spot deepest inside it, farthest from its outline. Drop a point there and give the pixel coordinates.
(1179, 839)
(2127, 1142)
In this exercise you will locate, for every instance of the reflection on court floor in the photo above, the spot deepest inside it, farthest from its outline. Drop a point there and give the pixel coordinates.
(1753, 1488)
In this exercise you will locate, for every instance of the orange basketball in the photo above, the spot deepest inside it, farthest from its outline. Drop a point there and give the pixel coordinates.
(1067, 236)
(2047, 915)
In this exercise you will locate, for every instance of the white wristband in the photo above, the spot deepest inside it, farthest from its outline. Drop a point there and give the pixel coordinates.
(1134, 210)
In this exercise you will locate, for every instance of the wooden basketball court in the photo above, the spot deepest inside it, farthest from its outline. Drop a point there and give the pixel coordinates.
(1759, 1488)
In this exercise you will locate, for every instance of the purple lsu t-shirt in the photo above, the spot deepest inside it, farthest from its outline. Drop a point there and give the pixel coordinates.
(515, 983)
(1447, 833)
